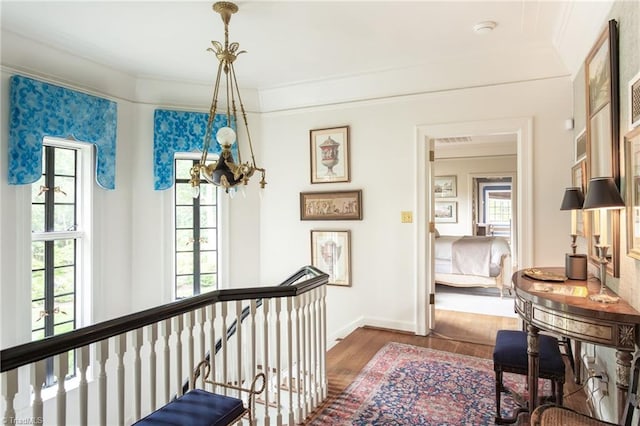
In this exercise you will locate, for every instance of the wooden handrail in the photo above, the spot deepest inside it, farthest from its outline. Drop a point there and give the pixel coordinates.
(28, 353)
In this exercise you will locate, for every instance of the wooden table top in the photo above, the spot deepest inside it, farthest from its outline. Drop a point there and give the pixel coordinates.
(571, 296)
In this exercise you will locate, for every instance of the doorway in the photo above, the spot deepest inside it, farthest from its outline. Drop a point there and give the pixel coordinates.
(425, 229)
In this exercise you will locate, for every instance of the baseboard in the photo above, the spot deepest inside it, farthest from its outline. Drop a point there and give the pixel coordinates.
(399, 326)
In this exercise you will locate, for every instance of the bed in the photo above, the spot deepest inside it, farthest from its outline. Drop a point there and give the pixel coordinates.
(465, 261)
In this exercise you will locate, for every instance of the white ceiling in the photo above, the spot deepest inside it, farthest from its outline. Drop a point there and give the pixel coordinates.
(297, 42)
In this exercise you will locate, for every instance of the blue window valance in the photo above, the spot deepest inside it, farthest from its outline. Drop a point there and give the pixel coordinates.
(180, 131)
(39, 109)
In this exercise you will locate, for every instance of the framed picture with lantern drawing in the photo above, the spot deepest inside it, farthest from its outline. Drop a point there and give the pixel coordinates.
(330, 155)
(331, 253)
(632, 183)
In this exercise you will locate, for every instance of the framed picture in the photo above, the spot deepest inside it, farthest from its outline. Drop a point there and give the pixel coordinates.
(332, 205)
(603, 133)
(446, 212)
(445, 187)
(331, 253)
(330, 155)
(580, 146)
(579, 179)
(632, 181)
(634, 102)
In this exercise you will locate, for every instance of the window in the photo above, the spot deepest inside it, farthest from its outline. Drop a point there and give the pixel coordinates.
(57, 250)
(196, 235)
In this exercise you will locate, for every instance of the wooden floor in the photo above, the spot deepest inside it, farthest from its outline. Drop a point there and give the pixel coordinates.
(457, 332)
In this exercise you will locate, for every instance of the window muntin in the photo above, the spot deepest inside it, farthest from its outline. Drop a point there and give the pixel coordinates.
(196, 235)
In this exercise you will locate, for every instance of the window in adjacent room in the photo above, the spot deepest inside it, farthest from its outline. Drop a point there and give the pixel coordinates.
(59, 251)
(196, 234)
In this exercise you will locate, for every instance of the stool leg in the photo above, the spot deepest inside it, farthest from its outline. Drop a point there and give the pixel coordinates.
(560, 393)
(498, 392)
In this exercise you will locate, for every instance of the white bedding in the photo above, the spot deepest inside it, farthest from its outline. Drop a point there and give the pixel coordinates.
(499, 247)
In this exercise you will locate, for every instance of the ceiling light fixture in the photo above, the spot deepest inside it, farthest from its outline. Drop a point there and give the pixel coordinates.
(484, 27)
(225, 171)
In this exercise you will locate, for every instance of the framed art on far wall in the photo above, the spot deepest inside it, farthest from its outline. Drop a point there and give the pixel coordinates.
(446, 211)
(331, 205)
(445, 187)
(632, 181)
(634, 101)
(331, 253)
(580, 146)
(330, 155)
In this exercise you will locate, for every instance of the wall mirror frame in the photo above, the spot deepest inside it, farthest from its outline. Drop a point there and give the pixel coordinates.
(603, 136)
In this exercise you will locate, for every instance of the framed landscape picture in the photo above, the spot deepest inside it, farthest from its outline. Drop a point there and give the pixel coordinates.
(331, 253)
(331, 205)
(445, 187)
(580, 146)
(330, 155)
(446, 211)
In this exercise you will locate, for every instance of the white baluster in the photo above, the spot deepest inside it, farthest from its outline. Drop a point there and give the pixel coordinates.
(9, 389)
(223, 313)
(323, 342)
(309, 370)
(84, 360)
(298, 375)
(252, 349)
(136, 343)
(305, 366)
(38, 376)
(152, 337)
(239, 342)
(278, 344)
(166, 333)
(190, 322)
(212, 342)
(265, 357)
(60, 370)
(290, 314)
(120, 344)
(178, 326)
(102, 354)
(313, 353)
(201, 317)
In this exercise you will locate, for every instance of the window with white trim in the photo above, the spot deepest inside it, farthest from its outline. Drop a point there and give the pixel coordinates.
(196, 234)
(58, 250)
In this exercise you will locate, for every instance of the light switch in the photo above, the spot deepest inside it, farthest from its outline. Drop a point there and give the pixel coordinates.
(406, 217)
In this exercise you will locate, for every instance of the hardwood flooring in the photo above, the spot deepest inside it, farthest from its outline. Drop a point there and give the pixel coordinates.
(462, 333)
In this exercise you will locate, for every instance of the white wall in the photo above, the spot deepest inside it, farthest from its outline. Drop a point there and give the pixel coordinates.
(383, 145)
(464, 169)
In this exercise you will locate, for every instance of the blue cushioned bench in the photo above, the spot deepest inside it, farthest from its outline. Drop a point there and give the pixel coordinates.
(510, 356)
(199, 407)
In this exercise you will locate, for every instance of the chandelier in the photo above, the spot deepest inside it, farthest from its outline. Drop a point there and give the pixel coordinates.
(225, 171)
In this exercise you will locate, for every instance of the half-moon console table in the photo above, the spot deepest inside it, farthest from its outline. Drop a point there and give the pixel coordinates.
(565, 308)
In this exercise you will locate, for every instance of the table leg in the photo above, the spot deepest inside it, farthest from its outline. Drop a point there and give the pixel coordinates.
(534, 361)
(623, 372)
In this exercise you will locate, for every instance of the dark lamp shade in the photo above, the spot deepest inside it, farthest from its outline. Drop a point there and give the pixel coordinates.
(573, 199)
(602, 193)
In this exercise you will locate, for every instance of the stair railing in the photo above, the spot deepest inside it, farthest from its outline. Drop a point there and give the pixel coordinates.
(148, 353)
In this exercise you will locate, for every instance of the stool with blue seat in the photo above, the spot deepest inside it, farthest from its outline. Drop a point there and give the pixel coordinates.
(199, 407)
(510, 356)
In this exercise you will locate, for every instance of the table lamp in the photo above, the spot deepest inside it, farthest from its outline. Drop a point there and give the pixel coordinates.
(575, 264)
(603, 194)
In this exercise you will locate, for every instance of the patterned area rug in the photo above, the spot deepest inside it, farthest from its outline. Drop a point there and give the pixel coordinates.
(410, 385)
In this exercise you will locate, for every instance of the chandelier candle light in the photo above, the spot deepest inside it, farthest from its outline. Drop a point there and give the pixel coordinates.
(603, 194)
(225, 171)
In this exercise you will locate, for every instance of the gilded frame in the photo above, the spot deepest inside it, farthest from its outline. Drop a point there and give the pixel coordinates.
(603, 134)
(579, 179)
(331, 253)
(632, 183)
(331, 205)
(330, 156)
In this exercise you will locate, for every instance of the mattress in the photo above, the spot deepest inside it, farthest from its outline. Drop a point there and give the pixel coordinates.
(443, 253)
